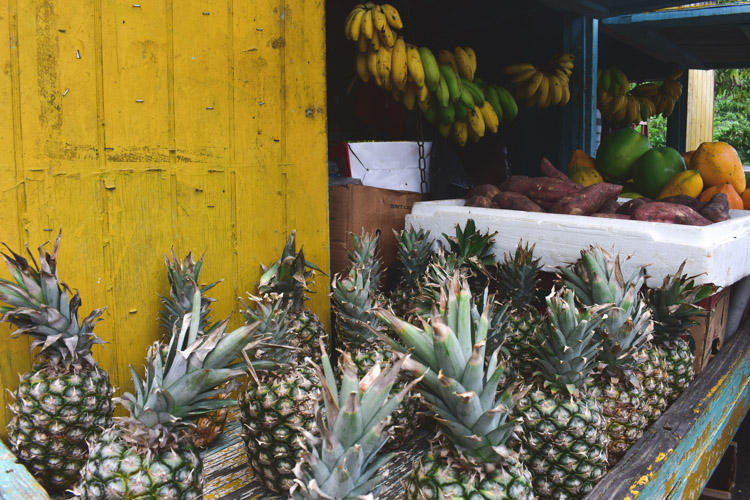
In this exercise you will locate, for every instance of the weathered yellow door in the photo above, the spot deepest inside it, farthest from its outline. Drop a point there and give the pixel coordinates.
(141, 125)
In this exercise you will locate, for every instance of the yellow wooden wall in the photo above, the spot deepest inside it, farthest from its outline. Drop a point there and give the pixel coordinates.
(700, 117)
(140, 125)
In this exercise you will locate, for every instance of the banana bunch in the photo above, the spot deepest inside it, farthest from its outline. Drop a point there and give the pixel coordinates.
(662, 97)
(542, 87)
(373, 26)
(618, 105)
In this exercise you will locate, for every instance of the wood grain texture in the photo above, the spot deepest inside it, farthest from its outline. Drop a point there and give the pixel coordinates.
(169, 125)
(700, 119)
(15, 480)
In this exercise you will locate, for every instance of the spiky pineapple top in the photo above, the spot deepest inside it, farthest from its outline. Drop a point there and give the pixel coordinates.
(39, 305)
(567, 351)
(364, 255)
(270, 312)
(289, 276)
(460, 385)
(183, 276)
(353, 300)
(343, 462)
(518, 277)
(596, 278)
(674, 305)
(180, 384)
(414, 251)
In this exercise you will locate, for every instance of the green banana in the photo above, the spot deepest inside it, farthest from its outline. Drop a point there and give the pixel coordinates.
(476, 92)
(466, 98)
(447, 114)
(494, 100)
(453, 81)
(430, 65)
(442, 93)
(460, 111)
(606, 78)
(431, 114)
(508, 103)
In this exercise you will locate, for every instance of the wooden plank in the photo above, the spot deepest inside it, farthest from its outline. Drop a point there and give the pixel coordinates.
(676, 456)
(15, 480)
(711, 15)
(700, 106)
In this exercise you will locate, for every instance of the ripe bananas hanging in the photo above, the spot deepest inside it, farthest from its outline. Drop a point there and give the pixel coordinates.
(372, 25)
(621, 105)
(542, 87)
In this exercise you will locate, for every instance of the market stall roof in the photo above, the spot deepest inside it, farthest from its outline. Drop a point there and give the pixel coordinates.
(609, 8)
(710, 37)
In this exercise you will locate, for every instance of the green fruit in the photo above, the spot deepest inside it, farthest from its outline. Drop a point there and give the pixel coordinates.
(630, 195)
(654, 169)
(618, 152)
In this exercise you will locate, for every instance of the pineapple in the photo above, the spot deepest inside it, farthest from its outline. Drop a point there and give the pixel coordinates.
(183, 281)
(472, 459)
(344, 461)
(278, 402)
(565, 432)
(150, 454)
(414, 253)
(597, 278)
(473, 250)
(673, 307)
(518, 278)
(288, 277)
(66, 398)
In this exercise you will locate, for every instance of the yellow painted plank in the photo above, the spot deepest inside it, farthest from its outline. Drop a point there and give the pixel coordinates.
(700, 120)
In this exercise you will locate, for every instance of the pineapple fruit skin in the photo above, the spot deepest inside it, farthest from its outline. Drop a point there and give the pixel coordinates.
(436, 475)
(55, 416)
(116, 470)
(564, 443)
(624, 410)
(271, 415)
(678, 367)
(651, 374)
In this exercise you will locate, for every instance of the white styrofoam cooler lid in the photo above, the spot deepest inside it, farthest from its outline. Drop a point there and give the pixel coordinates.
(718, 254)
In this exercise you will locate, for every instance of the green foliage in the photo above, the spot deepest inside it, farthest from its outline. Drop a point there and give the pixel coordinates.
(657, 131)
(732, 109)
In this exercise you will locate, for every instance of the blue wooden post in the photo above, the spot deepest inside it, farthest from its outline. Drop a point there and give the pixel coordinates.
(677, 121)
(581, 38)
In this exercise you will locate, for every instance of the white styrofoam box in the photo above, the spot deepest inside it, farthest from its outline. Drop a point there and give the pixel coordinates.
(719, 253)
(388, 165)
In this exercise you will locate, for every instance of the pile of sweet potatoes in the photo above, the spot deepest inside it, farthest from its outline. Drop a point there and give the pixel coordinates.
(555, 193)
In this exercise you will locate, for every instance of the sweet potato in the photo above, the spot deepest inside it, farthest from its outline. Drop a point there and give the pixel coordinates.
(512, 181)
(480, 201)
(688, 201)
(588, 200)
(611, 216)
(716, 210)
(549, 170)
(515, 201)
(609, 207)
(628, 207)
(542, 190)
(486, 190)
(671, 213)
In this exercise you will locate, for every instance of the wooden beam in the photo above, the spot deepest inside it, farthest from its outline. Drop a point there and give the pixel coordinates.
(703, 16)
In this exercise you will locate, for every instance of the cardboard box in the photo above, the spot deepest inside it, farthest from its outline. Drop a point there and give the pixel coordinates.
(353, 207)
(709, 333)
(722, 481)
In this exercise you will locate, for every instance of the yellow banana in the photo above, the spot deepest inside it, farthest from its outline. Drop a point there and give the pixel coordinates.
(372, 66)
(476, 122)
(410, 96)
(392, 16)
(460, 132)
(362, 42)
(675, 75)
(375, 42)
(530, 88)
(414, 65)
(564, 58)
(463, 63)
(544, 93)
(619, 103)
(672, 87)
(348, 24)
(378, 19)
(387, 37)
(446, 57)
(566, 94)
(445, 129)
(491, 121)
(472, 58)
(424, 105)
(356, 24)
(555, 90)
(367, 27)
(669, 106)
(399, 69)
(396, 94)
(361, 65)
(384, 65)
(423, 94)
(523, 75)
(514, 69)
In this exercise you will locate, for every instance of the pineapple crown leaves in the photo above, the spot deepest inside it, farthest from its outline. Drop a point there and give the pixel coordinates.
(289, 275)
(518, 276)
(567, 348)
(597, 278)
(472, 247)
(182, 276)
(352, 298)
(459, 384)
(41, 306)
(414, 252)
(271, 312)
(343, 462)
(180, 383)
(674, 305)
(364, 255)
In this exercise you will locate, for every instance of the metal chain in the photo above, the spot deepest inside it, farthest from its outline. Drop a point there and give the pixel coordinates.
(422, 159)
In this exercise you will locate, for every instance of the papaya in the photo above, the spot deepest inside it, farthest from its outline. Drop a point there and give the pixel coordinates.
(618, 153)
(686, 156)
(585, 176)
(687, 182)
(746, 199)
(655, 168)
(719, 163)
(735, 200)
(579, 157)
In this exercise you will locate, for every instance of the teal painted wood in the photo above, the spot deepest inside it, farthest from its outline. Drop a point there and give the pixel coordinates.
(607, 8)
(702, 16)
(676, 456)
(15, 481)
